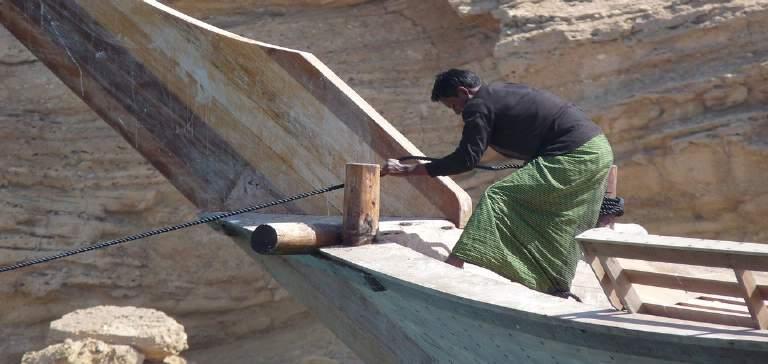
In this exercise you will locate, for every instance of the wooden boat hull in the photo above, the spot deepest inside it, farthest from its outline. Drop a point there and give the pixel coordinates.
(228, 120)
(391, 304)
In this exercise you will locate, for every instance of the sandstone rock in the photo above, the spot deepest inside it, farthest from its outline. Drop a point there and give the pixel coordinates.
(87, 351)
(152, 332)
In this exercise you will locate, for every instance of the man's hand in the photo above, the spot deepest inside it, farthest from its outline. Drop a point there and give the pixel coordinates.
(396, 168)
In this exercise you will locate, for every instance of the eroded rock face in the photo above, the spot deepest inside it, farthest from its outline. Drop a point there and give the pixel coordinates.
(153, 333)
(86, 351)
(679, 87)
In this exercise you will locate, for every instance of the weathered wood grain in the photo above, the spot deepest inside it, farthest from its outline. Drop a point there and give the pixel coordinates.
(361, 204)
(228, 120)
(392, 304)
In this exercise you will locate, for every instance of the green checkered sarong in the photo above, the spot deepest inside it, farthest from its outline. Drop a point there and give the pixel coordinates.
(524, 226)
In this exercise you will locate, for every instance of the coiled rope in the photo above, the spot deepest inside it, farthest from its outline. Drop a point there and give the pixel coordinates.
(612, 206)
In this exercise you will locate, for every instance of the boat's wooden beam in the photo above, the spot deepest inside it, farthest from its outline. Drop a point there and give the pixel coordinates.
(672, 249)
(620, 286)
(754, 299)
(743, 258)
(294, 237)
(690, 284)
(608, 270)
(722, 259)
(228, 120)
(710, 315)
(361, 203)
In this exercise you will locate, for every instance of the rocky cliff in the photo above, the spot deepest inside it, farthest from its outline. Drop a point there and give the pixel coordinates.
(679, 86)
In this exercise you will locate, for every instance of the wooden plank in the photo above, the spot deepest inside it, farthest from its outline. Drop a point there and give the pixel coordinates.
(753, 298)
(734, 248)
(605, 280)
(712, 253)
(685, 283)
(621, 283)
(228, 120)
(697, 314)
(361, 204)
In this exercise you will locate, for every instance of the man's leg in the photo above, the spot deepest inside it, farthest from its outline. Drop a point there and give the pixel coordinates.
(455, 261)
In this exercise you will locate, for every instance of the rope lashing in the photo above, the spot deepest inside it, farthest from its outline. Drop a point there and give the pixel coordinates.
(166, 229)
(612, 206)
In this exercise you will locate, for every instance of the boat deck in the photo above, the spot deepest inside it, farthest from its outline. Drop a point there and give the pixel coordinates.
(411, 251)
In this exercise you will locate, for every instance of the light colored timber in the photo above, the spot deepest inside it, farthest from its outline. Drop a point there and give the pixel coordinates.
(753, 298)
(294, 237)
(710, 253)
(613, 283)
(700, 314)
(393, 305)
(623, 286)
(361, 203)
(230, 121)
(687, 283)
(742, 257)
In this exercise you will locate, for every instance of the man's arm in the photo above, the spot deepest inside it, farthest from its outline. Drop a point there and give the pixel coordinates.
(474, 142)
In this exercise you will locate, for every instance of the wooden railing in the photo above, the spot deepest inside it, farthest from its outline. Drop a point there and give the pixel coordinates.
(602, 246)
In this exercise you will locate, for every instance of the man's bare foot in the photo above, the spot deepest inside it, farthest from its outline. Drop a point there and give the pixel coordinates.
(455, 261)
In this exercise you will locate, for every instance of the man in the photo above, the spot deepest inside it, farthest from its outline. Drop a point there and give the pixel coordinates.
(524, 225)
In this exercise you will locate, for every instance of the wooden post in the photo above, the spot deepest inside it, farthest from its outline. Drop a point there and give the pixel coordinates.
(361, 204)
(753, 298)
(617, 287)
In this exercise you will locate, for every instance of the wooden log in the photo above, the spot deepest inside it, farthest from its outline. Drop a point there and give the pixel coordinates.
(361, 203)
(281, 238)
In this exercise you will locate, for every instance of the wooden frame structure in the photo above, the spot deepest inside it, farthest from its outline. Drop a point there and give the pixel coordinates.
(603, 246)
(743, 258)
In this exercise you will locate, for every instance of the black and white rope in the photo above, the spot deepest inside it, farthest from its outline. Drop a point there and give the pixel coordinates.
(166, 229)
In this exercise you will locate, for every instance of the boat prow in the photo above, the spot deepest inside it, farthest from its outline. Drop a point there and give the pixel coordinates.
(229, 121)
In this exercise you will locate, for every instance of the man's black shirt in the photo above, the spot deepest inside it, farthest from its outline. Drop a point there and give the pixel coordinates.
(519, 122)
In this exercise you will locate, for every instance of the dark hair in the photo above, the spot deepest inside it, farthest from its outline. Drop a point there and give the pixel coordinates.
(447, 82)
